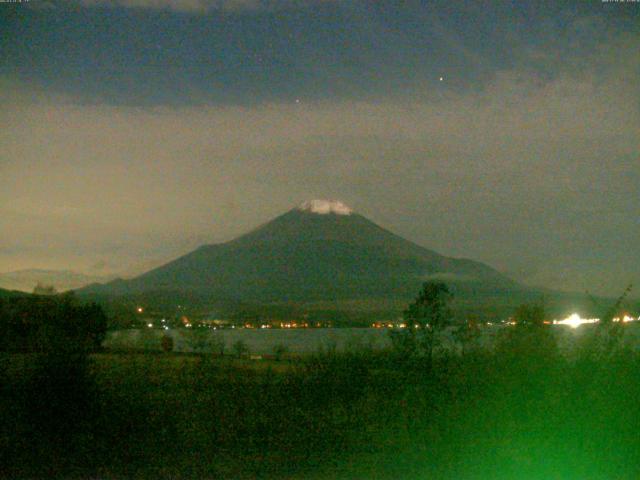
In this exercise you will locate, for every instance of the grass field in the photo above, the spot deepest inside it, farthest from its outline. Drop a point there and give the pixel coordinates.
(508, 415)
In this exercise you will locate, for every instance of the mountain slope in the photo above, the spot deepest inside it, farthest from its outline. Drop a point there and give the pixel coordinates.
(311, 253)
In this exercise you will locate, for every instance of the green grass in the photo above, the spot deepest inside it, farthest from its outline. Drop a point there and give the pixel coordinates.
(510, 416)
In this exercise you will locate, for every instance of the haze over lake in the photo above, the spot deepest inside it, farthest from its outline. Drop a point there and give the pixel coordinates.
(305, 341)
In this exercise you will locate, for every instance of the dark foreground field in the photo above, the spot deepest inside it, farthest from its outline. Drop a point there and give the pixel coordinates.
(520, 414)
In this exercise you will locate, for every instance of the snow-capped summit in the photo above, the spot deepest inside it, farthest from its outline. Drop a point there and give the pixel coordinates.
(324, 207)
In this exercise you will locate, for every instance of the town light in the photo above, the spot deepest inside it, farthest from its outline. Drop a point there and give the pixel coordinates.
(574, 321)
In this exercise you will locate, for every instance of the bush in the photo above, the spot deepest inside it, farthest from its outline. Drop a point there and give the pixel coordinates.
(280, 350)
(240, 349)
(166, 342)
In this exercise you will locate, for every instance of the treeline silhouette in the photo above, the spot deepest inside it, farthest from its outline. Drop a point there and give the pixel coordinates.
(43, 323)
(51, 399)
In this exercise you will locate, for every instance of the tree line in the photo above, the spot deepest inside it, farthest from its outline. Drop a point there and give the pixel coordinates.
(43, 323)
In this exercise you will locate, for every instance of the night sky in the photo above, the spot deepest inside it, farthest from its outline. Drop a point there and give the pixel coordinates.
(506, 132)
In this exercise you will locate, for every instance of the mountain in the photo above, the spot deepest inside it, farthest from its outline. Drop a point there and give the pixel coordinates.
(319, 251)
(61, 280)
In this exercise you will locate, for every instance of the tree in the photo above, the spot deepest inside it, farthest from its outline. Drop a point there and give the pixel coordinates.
(166, 342)
(428, 315)
(42, 289)
(607, 337)
(280, 350)
(240, 348)
(218, 344)
(530, 338)
(468, 333)
(199, 339)
(94, 324)
(43, 323)
(606, 318)
(530, 314)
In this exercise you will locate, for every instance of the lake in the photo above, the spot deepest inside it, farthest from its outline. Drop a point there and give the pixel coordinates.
(306, 340)
(258, 341)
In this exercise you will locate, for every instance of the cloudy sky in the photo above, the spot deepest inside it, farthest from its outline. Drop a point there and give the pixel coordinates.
(507, 132)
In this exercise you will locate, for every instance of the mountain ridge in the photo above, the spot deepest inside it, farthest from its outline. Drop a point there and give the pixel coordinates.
(311, 255)
(26, 279)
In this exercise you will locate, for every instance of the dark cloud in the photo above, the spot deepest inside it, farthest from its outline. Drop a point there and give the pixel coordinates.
(524, 156)
(203, 6)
